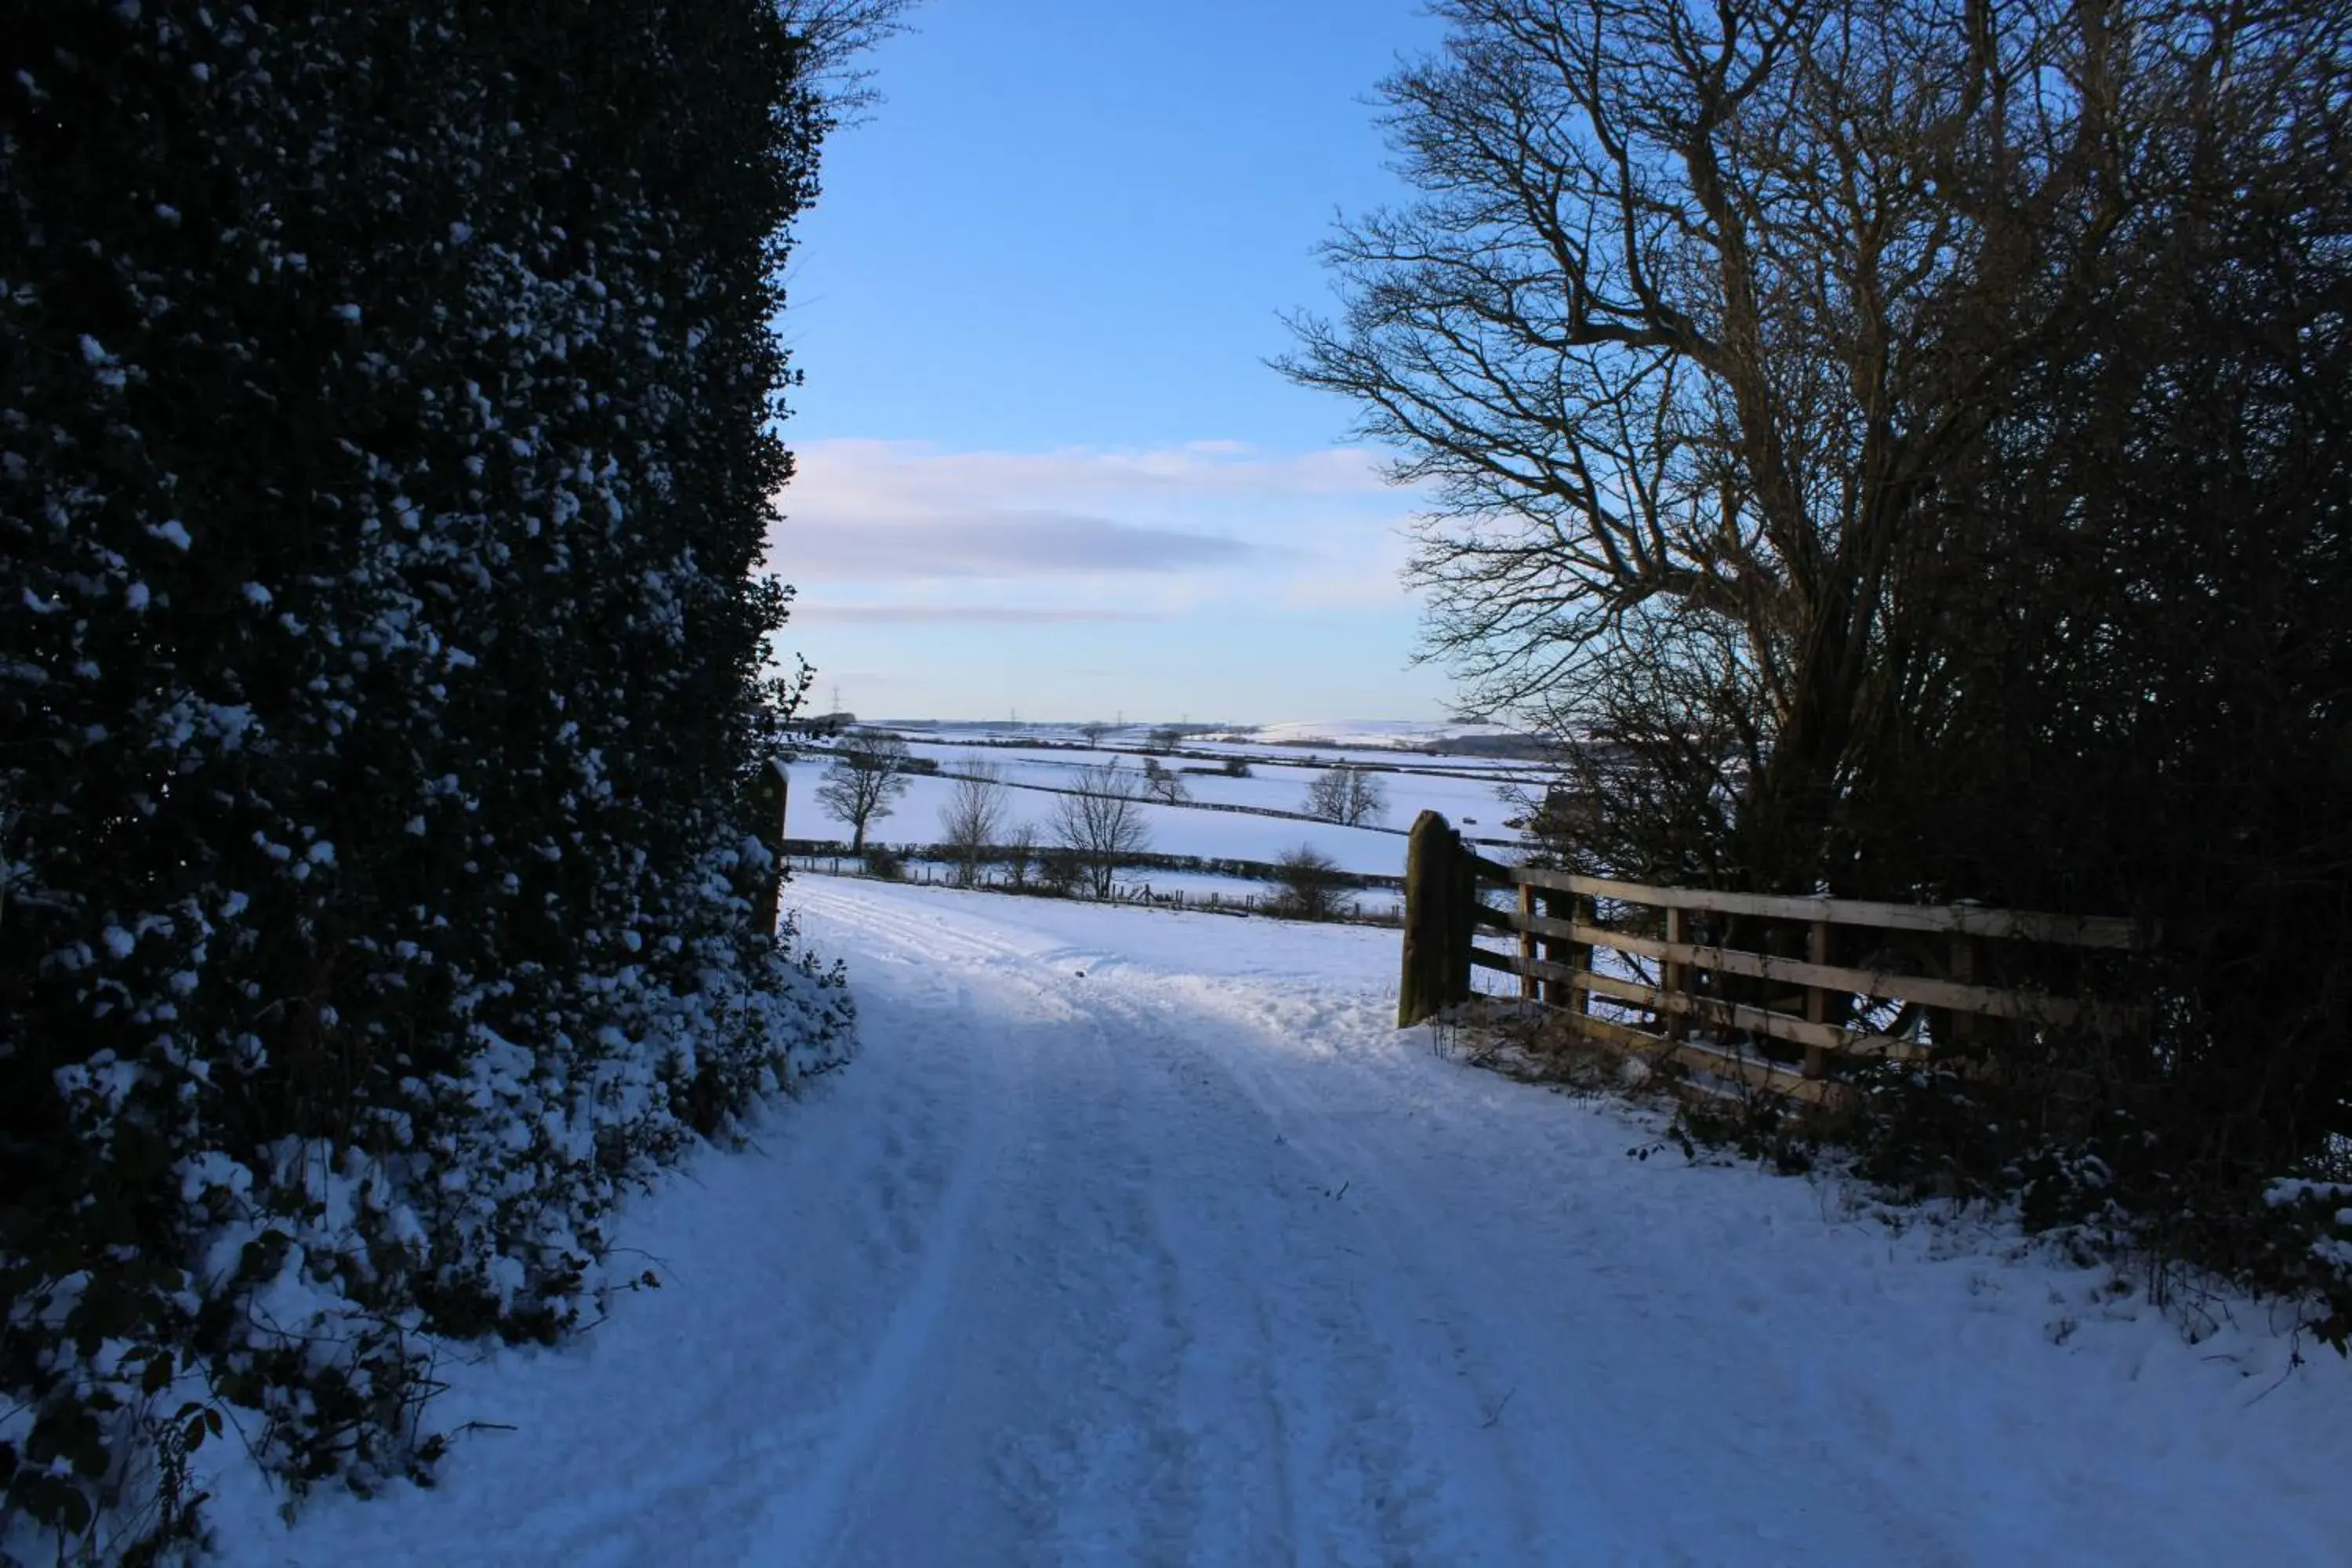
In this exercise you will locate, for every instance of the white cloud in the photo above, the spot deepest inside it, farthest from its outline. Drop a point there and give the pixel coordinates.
(981, 543)
(823, 613)
(1086, 534)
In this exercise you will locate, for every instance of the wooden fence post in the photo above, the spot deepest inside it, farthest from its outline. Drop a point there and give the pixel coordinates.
(1575, 906)
(1557, 950)
(1964, 970)
(1817, 1001)
(768, 801)
(1674, 977)
(1434, 875)
(1529, 989)
(1459, 925)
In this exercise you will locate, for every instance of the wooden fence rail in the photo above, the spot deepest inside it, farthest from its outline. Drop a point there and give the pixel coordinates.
(1813, 1002)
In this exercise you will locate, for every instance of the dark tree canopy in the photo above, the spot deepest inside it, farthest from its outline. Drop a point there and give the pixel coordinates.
(387, 450)
(1902, 448)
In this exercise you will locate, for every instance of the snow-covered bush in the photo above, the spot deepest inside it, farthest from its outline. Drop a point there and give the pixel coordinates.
(386, 458)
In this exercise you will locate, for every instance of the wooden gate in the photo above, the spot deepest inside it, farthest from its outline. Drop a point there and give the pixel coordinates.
(1692, 973)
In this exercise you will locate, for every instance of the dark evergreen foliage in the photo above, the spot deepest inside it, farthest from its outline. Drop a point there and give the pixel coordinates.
(387, 447)
(2142, 699)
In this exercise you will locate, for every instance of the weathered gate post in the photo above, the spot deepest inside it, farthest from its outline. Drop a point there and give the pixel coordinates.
(1437, 892)
(769, 795)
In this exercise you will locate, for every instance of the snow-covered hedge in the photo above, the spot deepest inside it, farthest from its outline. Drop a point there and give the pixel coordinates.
(386, 454)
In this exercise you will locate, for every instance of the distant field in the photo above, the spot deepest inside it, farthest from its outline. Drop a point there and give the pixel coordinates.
(1460, 740)
(1040, 760)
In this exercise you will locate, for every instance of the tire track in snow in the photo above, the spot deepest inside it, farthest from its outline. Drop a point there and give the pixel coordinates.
(1575, 1412)
(910, 1198)
(1288, 1316)
(1348, 1357)
(1111, 1477)
(790, 1528)
(1097, 1472)
(1118, 1475)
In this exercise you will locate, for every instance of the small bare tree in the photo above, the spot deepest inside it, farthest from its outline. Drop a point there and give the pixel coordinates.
(1161, 784)
(1020, 854)
(1094, 729)
(1347, 794)
(867, 777)
(1309, 884)
(972, 819)
(1100, 821)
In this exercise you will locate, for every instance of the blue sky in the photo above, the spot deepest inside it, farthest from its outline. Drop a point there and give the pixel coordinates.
(1042, 465)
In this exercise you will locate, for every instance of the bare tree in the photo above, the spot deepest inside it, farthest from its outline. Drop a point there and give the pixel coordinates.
(1019, 852)
(1161, 783)
(1347, 794)
(834, 33)
(1166, 738)
(1309, 884)
(973, 819)
(867, 777)
(1100, 821)
(1693, 305)
(1094, 729)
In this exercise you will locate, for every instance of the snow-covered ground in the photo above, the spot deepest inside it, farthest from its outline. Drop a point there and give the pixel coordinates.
(1138, 1237)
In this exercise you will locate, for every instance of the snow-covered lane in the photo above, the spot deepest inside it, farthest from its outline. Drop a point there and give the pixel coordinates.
(1120, 1385)
(1139, 1237)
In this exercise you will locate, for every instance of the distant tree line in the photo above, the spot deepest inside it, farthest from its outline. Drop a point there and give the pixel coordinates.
(1916, 438)
(387, 454)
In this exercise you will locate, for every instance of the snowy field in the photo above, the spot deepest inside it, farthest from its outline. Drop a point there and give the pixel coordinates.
(1398, 740)
(1174, 830)
(1137, 1237)
(1468, 790)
